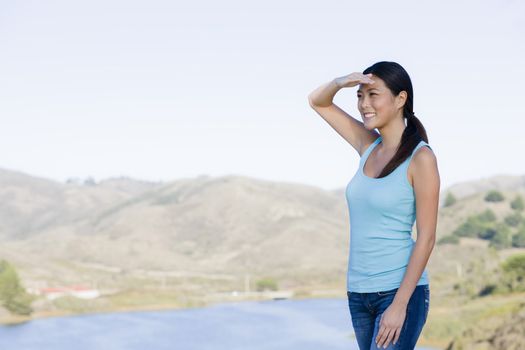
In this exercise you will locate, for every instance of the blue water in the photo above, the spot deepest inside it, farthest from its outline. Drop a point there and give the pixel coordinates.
(312, 324)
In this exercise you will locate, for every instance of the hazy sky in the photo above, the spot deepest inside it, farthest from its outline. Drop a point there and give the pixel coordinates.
(161, 90)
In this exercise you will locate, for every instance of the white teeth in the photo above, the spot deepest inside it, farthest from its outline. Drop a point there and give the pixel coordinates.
(370, 115)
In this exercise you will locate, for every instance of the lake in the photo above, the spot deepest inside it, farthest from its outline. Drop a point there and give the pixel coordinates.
(310, 324)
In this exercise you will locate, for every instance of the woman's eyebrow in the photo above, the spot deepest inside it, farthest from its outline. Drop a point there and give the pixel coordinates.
(368, 89)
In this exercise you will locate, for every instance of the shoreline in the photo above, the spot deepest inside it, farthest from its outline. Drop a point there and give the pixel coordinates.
(11, 320)
(14, 320)
(17, 320)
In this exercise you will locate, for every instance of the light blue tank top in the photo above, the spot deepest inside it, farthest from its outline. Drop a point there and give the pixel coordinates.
(382, 214)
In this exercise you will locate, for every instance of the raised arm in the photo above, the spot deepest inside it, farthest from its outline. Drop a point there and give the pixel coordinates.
(351, 129)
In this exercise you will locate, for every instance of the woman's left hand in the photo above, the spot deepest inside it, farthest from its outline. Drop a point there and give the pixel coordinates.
(391, 323)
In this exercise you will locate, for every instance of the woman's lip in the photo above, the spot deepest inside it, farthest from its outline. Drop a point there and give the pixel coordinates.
(369, 115)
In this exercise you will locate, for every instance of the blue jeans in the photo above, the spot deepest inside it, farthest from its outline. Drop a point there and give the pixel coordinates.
(366, 310)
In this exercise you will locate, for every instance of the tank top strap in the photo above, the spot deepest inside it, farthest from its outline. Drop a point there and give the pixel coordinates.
(369, 150)
(419, 145)
(406, 163)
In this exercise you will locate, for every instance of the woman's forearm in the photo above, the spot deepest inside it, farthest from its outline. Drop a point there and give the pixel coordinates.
(323, 96)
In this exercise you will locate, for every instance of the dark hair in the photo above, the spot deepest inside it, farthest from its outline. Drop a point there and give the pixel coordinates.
(397, 79)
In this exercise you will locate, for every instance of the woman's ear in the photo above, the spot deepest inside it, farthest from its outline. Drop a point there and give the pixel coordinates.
(401, 98)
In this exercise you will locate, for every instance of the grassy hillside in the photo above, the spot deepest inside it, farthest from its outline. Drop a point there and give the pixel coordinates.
(196, 241)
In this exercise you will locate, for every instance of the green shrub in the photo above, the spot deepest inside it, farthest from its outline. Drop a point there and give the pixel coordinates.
(494, 196)
(266, 283)
(514, 219)
(488, 233)
(487, 290)
(470, 228)
(514, 272)
(518, 240)
(450, 200)
(473, 227)
(450, 239)
(515, 264)
(502, 237)
(517, 204)
(487, 216)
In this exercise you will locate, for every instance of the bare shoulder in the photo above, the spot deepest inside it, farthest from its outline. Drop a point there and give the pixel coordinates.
(424, 156)
(424, 163)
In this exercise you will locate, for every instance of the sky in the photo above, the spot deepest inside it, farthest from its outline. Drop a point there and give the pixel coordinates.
(163, 90)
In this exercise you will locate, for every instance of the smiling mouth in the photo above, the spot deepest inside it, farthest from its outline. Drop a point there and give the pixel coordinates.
(369, 115)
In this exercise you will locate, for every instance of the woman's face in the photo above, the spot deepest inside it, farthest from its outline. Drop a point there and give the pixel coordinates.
(377, 104)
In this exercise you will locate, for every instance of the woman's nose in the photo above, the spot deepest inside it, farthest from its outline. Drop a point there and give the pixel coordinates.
(364, 104)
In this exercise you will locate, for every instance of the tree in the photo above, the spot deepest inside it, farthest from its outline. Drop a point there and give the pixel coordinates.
(487, 216)
(494, 196)
(514, 219)
(450, 200)
(473, 227)
(518, 240)
(514, 272)
(267, 283)
(12, 295)
(488, 233)
(502, 237)
(517, 204)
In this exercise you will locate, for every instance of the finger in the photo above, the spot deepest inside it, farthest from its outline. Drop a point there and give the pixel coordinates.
(379, 335)
(385, 340)
(382, 338)
(381, 330)
(389, 338)
(396, 338)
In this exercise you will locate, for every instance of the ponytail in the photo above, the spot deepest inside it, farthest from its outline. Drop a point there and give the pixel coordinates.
(413, 134)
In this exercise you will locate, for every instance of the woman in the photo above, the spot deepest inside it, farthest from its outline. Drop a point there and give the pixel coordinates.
(397, 184)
